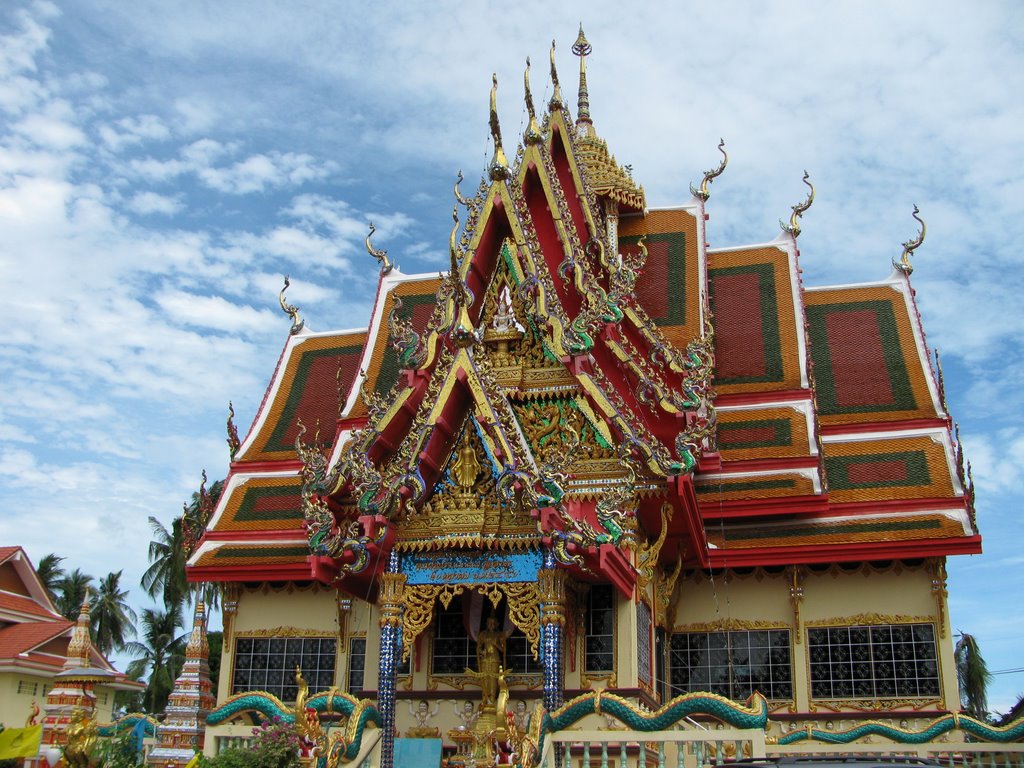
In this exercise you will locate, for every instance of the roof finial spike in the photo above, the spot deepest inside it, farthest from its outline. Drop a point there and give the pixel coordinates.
(289, 309)
(499, 163)
(704, 192)
(556, 94)
(904, 265)
(379, 254)
(233, 442)
(799, 209)
(533, 134)
(582, 48)
(463, 334)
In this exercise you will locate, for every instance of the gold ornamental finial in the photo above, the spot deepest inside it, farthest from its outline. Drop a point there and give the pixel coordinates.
(904, 265)
(233, 442)
(533, 134)
(463, 200)
(499, 163)
(463, 332)
(556, 94)
(799, 209)
(289, 309)
(704, 192)
(582, 48)
(379, 254)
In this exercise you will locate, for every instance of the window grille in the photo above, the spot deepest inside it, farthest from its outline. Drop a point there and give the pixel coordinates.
(877, 662)
(732, 664)
(268, 664)
(356, 664)
(600, 629)
(643, 642)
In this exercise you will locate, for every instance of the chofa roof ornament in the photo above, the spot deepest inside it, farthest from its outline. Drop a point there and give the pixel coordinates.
(533, 133)
(904, 265)
(379, 254)
(498, 168)
(799, 209)
(704, 191)
(290, 309)
(556, 102)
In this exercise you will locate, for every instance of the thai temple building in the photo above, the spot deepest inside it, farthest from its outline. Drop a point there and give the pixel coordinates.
(598, 460)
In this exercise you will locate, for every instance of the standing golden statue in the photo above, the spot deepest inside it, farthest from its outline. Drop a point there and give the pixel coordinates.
(490, 660)
(82, 734)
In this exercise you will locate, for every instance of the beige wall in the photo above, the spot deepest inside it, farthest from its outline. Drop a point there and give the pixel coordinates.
(16, 705)
(896, 594)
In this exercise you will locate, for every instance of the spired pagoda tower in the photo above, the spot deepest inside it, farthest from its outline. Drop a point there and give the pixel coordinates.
(597, 455)
(183, 730)
(71, 703)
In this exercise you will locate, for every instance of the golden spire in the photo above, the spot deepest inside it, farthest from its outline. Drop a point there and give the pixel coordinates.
(556, 94)
(80, 647)
(499, 163)
(198, 646)
(704, 192)
(582, 48)
(799, 209)
(289, 309)
(904, 265)
(533, 134)
(379, 254)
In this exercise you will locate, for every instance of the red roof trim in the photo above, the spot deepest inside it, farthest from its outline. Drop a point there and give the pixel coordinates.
(759, 398)
(883, 426)
(827, 553)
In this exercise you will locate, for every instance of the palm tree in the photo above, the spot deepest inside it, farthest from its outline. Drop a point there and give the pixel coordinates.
(196, 515)
(973, 676)
(112, 618)
(71, 590)
(50, 573)
(166, 575)
(160, 651)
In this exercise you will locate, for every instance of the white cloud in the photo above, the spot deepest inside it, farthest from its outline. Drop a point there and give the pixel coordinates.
(151, 202)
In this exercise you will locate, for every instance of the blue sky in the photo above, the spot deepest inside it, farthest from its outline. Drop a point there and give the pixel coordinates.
(162, 165)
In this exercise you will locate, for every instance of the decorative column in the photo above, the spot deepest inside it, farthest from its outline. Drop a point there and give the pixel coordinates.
(183, 731)
(552, 633)
(392, 587)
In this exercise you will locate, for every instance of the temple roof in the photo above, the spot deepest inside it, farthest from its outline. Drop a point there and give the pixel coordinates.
(585, 362)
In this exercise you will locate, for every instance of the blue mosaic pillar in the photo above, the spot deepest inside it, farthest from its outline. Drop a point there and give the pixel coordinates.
(552, 630)
(392, 584)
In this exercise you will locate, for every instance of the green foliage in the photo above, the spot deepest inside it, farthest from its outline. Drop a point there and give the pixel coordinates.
(112, 618)
(71, 591)
(161, 651)
(973, 676)
(117, 752)
(50, 573)
(275, 745)
(216, 643)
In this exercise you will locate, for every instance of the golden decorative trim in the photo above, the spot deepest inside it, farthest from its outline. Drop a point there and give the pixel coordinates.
(418, 601)
(664, 589)
(873, 705)
(647, 554)
(392, 588)
(731, 625)
(286, 632)
(937, 569)
(869, 619)
(796, 597)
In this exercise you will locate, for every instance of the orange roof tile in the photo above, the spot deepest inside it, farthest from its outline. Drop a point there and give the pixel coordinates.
(20, 604)
(19, 639)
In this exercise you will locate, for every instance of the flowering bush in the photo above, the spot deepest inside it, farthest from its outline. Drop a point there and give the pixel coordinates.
(275, 745)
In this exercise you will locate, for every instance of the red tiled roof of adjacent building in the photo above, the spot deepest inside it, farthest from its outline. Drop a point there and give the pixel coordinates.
(19, 639)
(21, 604)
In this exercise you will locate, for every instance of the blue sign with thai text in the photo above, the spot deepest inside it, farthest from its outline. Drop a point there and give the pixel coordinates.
(471, 567)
